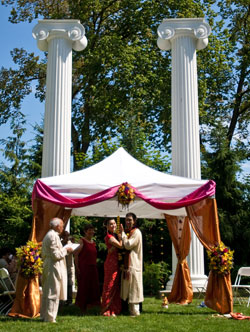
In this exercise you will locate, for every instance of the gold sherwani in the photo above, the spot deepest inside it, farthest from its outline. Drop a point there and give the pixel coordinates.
(132, 287)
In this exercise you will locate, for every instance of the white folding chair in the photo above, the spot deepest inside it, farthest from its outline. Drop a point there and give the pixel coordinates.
(8, 290)
(201, 290)
(239, 288)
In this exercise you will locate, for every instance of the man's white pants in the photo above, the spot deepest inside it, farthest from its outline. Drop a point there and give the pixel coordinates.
(50, 299)
(134, 309)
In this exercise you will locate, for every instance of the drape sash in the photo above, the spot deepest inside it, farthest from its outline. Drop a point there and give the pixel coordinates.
(179, 230)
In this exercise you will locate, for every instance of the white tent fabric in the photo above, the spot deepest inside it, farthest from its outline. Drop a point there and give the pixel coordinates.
(116, 169)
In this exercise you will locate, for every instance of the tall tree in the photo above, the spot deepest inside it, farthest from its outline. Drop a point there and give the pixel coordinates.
(121, 71)
(15, 189)
(226, 116)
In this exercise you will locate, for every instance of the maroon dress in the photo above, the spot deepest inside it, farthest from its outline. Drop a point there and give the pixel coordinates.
(88, 291)
(111, 301)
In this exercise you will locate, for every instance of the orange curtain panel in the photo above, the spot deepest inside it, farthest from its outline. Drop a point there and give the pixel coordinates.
(205, 223)
(179, 230)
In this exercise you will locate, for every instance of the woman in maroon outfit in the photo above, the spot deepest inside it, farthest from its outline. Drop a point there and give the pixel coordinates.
(111, 301)
(88, 292)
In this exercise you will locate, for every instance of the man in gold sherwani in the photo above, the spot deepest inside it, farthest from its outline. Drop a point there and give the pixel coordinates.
(131, 285)
(54, 278)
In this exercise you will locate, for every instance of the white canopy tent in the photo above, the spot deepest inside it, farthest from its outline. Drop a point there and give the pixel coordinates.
(116, 169)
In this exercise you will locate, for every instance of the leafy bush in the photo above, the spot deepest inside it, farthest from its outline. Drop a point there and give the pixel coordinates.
(155, 277)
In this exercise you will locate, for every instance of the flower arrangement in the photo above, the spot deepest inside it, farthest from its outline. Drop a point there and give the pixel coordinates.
(221, 259)
(125, 194)
(29, 259)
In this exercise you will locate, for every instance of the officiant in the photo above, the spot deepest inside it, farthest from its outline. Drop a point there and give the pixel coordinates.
(54, 277)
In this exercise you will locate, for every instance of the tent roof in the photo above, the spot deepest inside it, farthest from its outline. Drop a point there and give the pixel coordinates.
(114, 170)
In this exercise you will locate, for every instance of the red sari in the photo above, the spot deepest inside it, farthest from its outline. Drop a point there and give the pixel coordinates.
(111, 300)
(88, 292)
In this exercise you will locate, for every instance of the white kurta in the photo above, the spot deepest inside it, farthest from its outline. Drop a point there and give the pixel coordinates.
(54, 278)
(132, 289)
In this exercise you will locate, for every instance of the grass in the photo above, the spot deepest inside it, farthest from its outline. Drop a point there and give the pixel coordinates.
(154, 318)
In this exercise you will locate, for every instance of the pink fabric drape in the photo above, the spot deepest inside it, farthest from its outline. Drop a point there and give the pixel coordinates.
(44, 192)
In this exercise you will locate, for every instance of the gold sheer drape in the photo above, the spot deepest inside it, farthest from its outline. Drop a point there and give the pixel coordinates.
(179, 230)
(204, 220)
(27, 301)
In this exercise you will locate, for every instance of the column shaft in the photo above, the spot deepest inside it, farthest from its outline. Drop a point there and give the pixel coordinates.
(185, 120)
(58, 37)
(57, 122)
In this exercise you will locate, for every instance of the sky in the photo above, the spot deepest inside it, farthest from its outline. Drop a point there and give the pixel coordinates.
(19, 36)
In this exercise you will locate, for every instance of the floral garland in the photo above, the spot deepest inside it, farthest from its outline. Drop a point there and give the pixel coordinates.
(221, 259)
(29, 259)
(125, 194)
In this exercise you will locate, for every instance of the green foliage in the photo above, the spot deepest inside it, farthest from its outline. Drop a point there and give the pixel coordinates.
(15, 187)
(15, 220)
(155, 277)
(232, 196)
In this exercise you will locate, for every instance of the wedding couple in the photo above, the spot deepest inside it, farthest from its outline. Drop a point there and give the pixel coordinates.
(127, 286)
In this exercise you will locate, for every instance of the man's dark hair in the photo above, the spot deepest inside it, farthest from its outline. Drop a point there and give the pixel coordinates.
(131, 214)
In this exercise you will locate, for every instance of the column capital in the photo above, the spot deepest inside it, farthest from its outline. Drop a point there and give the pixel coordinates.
(172, 28)
(71, 30)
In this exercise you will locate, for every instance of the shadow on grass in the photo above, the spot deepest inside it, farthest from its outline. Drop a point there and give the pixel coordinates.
(177, 313)
(74, 310)
(20, 319)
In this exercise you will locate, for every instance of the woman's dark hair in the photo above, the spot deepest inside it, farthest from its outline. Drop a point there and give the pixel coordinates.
(87, 227)
(106, 221)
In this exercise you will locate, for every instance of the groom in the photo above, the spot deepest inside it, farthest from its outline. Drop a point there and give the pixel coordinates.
(131, 284)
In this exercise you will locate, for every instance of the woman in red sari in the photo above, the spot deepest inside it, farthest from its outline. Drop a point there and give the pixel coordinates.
(88, 291)
(111, 301)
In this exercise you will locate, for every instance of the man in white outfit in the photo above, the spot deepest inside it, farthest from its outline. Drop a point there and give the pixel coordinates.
(131, 285)
(54, 278)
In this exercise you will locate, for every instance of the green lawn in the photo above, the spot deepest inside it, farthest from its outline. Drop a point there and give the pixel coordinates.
(154, 318)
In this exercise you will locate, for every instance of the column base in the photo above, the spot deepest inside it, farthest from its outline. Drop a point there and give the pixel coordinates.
(170, 283)
(198, 281)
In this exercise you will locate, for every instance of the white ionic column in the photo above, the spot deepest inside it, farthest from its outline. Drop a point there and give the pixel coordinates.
(184, 37)
(58, 37)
